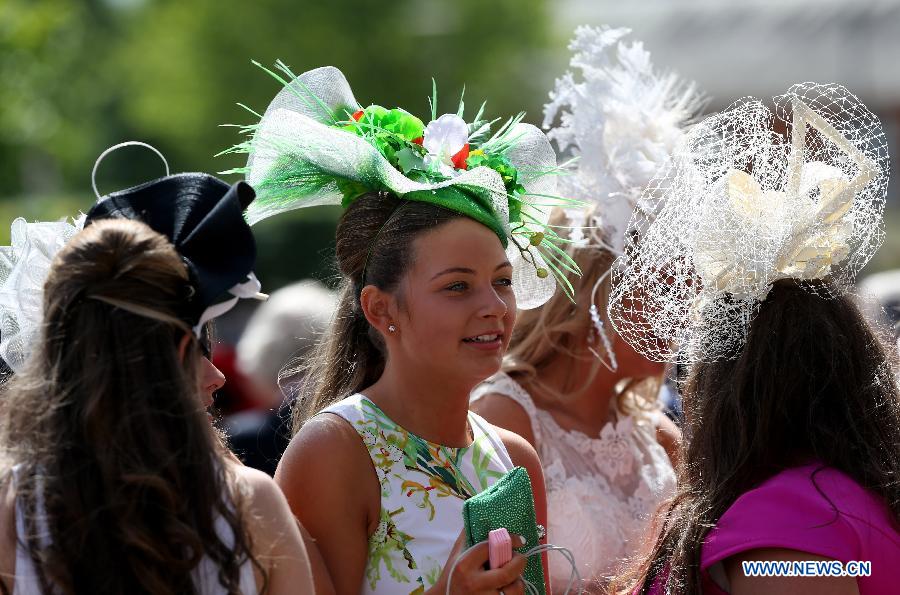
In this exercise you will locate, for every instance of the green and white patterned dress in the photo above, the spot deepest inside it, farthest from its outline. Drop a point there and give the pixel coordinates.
(423, 487)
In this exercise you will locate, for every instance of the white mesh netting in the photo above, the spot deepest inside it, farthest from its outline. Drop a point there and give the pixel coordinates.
(742, 206)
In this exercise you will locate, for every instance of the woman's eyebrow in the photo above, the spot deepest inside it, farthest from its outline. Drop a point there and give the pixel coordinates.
(454, 270)
(468, 271)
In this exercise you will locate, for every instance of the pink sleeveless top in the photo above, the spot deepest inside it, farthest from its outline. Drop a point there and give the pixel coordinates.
(813, 509)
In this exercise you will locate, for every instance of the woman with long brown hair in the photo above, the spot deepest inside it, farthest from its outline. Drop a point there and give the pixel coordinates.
(114, 480)
(437, 243)
(743, 266)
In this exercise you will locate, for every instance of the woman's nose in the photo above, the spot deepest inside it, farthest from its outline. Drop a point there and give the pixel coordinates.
(213, 378)
(494, 305)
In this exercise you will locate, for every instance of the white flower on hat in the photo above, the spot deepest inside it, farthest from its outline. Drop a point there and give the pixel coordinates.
(445, 139)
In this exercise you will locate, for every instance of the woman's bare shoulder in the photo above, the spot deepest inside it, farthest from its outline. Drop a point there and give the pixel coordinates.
(327, 468)
(504, 412)
(325, 443)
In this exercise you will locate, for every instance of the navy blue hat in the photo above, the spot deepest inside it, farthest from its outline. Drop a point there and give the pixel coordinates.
(203, 217)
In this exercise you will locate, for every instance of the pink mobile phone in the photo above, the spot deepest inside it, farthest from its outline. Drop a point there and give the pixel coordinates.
(499, 547)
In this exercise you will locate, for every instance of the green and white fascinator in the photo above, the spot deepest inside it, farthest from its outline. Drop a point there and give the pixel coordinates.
(316, 145)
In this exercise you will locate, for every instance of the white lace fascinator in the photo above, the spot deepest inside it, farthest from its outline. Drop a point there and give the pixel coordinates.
(742, 206)
(24, 266)
(620, 119)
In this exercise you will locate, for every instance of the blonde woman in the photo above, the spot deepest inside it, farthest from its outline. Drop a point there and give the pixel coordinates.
(606, 447)
(569, 385)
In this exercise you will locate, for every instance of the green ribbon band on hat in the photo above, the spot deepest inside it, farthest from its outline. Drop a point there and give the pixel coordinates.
(471, 202)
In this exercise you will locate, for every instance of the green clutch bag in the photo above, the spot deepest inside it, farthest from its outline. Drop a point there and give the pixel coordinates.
(509, 503)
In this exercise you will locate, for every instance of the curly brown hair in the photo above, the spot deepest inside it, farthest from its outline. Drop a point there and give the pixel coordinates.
(108, 434)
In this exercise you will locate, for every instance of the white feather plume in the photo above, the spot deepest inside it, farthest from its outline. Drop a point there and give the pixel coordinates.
(621, 119)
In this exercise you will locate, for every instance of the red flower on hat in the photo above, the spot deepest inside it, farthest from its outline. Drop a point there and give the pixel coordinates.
(459, 160)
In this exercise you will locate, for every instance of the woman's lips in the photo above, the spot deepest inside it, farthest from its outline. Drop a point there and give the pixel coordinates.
(491, 341)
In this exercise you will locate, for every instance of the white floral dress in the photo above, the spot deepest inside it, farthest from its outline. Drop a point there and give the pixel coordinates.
(423, 487)
(601, 490)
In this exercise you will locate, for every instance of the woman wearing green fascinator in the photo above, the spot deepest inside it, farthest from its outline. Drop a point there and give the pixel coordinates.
(443, 236)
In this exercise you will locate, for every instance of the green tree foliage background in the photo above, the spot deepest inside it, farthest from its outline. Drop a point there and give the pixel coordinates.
(78, 76)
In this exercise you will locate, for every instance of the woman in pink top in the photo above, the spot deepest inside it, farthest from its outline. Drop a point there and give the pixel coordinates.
(794, 455)
(809, 512)
(792, 412)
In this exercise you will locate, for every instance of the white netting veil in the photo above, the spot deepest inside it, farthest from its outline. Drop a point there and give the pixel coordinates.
(742, 206)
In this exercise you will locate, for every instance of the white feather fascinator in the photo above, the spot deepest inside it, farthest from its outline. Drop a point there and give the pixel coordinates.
(621, 120)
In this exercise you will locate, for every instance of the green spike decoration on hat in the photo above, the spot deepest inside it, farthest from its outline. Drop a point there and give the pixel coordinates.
(315, 145)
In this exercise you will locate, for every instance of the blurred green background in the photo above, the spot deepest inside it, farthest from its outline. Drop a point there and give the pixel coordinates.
(79, 76)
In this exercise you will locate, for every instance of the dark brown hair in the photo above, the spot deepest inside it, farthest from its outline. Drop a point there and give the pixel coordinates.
(374, 246)
(814, 382)
(107, 430)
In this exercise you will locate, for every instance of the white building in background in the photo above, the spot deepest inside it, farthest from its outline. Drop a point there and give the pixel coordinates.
(734, 48)
(738, 47)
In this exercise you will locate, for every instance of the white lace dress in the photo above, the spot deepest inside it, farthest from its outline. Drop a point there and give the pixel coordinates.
(601, 490)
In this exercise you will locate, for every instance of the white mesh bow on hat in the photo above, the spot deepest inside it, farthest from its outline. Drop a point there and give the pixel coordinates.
(742, 206)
